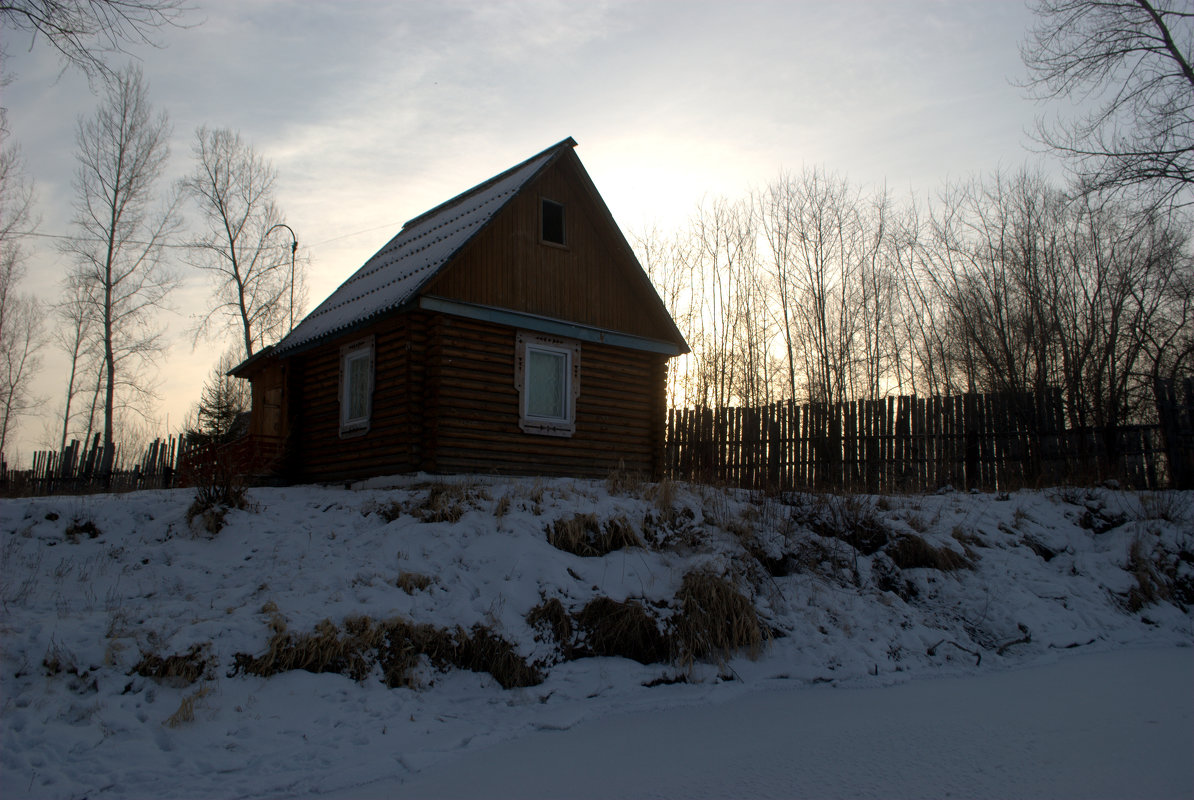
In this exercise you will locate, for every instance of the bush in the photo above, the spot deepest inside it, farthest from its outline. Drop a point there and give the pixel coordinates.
(620, 628)
(219, 487)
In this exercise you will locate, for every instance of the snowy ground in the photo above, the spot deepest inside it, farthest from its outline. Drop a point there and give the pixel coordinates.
(1036, 597)
(1106, 725)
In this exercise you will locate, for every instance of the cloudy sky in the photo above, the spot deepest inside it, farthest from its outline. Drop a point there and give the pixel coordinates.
(375, 111)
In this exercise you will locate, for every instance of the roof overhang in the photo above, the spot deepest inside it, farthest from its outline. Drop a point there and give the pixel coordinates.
(555, 327)
(242, 369)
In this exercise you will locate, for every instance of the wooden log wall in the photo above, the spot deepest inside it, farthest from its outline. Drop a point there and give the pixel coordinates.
(900, 444)
(472, 414)
(444, 400)
(317, 451)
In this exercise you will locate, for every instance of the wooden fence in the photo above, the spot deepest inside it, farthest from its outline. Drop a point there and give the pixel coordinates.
(900, 444)
(78, 469)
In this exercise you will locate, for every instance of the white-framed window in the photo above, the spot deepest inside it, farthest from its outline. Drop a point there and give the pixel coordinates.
(356, 387)
(547, 376)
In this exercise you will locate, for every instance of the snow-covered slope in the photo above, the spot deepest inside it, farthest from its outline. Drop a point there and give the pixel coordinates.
(138, 648)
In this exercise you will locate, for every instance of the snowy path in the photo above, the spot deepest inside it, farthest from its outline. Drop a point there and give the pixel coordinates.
(1112, 725)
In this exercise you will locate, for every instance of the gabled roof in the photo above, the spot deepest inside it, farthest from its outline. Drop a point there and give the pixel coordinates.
(427, 243)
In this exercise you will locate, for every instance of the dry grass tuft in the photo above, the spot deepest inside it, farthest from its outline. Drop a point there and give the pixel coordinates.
(1154, 578)
(85, 527)
(967, 538)
(550, 617)
(850, 519)
(178, 670)
(186, 709)
(396, 646)
(715, 619)
(584, 535)
(663, 494)
(1170, 506)
(482, 650)
(411, 582)
(322, 651)
(389, 511)
(447, 502)
(622, 481)
(910, 551)
(627, 629)
(503, 507)
(443, 502)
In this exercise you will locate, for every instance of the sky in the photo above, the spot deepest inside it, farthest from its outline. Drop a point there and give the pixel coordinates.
(373, 112)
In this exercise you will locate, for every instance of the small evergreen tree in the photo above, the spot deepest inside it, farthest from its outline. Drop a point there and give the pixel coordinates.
(222, 400)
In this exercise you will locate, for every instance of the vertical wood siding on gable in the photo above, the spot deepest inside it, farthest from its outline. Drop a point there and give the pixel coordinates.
(593, 280)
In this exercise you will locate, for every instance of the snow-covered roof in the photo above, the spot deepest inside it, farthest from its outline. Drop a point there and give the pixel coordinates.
(394, 275)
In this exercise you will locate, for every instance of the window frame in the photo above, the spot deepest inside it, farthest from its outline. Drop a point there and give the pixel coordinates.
(361, 349)
(526, 343)
(543, 204)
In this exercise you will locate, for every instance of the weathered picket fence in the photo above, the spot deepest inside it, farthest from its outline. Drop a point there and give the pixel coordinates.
(981, 441)
(79, 469)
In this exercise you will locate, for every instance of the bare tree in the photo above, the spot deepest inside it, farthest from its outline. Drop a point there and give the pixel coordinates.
(991, 244)
(75, 337)
(85, 32)
(20, 318)
(666, 262)
(1133, 61)
(247, 248)
(1045, 294)
(720, 262)
(20, 340)
(828, 248)
(118, 250)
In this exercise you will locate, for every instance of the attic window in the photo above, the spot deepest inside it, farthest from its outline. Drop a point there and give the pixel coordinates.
(547, 376)
(551, 214)
(356, 387)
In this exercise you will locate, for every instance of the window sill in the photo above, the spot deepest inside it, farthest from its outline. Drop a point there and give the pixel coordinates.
(354, 431)
(561, 429)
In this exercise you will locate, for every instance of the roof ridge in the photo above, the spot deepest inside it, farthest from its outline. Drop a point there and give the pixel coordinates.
(569, 142)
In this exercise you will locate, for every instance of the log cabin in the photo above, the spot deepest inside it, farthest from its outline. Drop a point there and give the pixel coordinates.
(509, 330)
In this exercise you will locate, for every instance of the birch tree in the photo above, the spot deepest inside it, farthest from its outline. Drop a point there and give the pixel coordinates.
(120, 234)
(74, 336)
(246, 247)
(20, 316)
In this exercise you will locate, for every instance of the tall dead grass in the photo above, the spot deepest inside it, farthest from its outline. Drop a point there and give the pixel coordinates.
(910, 551)
(709, 618)
(624, 628)
(586, 536)
(177, 670)
(396, 646)
(715, 620)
